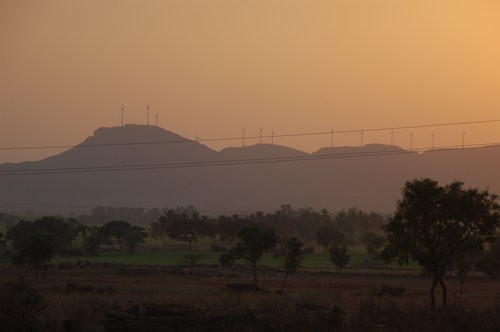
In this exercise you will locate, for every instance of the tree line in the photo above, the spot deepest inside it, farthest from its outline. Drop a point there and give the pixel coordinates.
(445, 229)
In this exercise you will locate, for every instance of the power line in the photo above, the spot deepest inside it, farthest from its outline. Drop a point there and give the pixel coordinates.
(249, 161)
(330, 132)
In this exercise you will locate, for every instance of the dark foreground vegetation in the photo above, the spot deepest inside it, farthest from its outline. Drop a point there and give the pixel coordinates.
(177, 298)
(449, 231)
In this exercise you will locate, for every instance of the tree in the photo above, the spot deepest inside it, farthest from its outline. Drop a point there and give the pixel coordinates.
(253, 241)
(59, 231)
(134, 236)
(375, 245)
(432, 225)
(37, 251)
(92, 241)
(189, 229)
(328, 234)
(339, 256)
(292, 255)
(115, 230)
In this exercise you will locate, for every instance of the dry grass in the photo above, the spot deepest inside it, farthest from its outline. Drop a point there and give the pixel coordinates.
(77, 299)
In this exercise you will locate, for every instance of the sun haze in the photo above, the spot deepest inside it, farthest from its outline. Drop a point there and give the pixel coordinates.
(211, 68)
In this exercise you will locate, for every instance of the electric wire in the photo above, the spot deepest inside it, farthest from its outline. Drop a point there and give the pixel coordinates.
(41, 147)
(228, 162)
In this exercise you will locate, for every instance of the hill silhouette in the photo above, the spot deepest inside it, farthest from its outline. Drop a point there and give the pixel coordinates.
(236, 179)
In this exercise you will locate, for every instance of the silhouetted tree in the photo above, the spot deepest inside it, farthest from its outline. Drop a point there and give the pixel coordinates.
(92, 241)
(189, 229)
(292, 254)
(115, 230)
(434, 224)
(339, 256)
(37, 251)
(134, 236)
(253, 241)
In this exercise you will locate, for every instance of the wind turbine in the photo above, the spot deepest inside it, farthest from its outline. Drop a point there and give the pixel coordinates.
(147, 115)
(260, 135)
(123, 108)
(432, 145)
(156, 119)
(243, 138)
(331, 138)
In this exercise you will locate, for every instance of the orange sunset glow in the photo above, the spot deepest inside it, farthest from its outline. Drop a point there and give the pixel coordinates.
(211, 68)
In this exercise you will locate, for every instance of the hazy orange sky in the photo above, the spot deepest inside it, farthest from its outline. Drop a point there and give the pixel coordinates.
(211, 68)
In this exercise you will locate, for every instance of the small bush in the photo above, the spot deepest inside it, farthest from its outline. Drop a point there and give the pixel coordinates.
(226, 260)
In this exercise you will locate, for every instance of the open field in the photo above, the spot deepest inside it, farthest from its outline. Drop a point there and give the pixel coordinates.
(129, 298)
(359, 259)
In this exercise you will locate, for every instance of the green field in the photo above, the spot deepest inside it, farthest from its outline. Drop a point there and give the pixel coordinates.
(169, 258)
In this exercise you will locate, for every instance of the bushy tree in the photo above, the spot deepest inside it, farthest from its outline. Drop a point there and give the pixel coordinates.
(189, 229)
(339, 256)
(115, 230)
(433, 224)
(36, 250)
(134, 236)
(253, 241)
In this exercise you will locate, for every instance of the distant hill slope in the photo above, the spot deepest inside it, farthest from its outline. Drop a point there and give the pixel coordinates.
(238, 179)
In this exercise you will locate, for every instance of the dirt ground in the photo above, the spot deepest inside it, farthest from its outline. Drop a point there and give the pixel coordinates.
(91, 298)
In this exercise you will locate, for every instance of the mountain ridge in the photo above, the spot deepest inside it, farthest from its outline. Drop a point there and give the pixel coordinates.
(369, 177)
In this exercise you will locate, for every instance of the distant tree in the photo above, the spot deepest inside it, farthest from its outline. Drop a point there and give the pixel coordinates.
(489, 261)
(432, 225)
(375, 245)
(292, 254)
(339, 256)
(115, 230)
(228, 227)
(60, 231)
(134, 236)
(329, 234)
(253, 241)
(494, 247)
(189, 229)
(366, 237)
(92, 241)
(37, 251)
(58, 228)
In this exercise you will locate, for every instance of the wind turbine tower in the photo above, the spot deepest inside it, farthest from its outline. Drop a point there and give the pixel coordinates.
(156, 119)
(147, 115)
(260, 135)
(123, 108)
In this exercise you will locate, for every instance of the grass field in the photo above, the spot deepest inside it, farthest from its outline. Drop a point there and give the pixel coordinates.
(321, 261)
